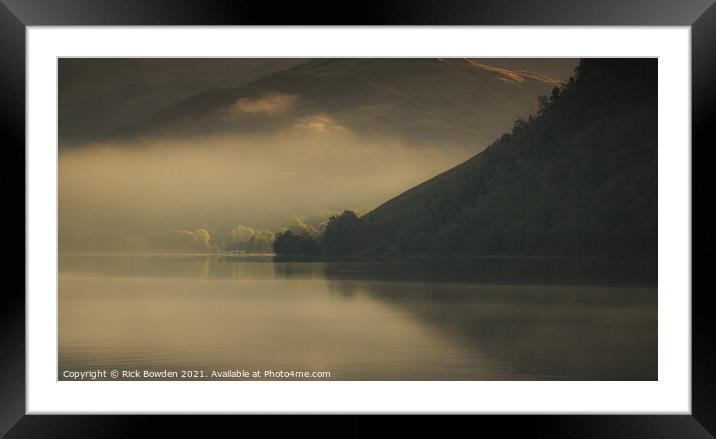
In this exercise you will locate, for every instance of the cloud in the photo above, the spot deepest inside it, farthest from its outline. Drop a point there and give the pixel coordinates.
(271, 104)
(319, 124)
(518, 76)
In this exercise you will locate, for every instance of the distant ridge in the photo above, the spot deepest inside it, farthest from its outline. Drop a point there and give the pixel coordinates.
(422, 101)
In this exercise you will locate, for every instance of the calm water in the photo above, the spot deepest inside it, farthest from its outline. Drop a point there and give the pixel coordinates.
(487, 319)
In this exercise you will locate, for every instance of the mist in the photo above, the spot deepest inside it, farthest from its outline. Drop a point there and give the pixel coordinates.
(116, 196)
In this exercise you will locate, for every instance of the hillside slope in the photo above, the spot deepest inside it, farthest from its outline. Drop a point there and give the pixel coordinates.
(580, 178)
(422, 100)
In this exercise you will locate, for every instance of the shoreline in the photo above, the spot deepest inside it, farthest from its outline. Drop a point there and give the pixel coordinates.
(165, 254)
(409, 258)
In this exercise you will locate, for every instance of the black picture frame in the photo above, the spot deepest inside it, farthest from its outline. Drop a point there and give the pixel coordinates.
(16, 15)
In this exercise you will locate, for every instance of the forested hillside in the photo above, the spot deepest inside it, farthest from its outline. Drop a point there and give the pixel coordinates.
(577, 178)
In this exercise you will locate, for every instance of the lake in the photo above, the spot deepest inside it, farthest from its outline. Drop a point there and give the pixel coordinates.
(481, 319)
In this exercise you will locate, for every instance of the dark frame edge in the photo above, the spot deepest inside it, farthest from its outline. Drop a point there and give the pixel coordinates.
(703, 109)
(12, 132)
(13, 420)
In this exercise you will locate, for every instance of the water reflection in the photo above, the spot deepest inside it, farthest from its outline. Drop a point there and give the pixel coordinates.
(484, 319)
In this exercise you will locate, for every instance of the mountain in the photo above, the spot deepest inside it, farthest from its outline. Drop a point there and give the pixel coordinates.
(97, 96)
(580, 178)
(425, 101)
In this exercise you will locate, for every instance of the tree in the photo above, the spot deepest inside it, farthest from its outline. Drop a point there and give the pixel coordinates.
(262, 242)
(184, 241)
(518, 126)
(240, 238)
(298, 227)
(543, 102)
(342, 235)
(247, 239)
(555, 94)
(289, 244)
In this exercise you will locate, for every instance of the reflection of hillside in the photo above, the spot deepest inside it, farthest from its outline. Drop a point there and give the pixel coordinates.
(579, 333)
(507, 271)
(564, 319)
(540, 329)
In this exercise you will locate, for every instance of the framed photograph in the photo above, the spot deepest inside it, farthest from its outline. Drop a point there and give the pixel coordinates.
(412, 209)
